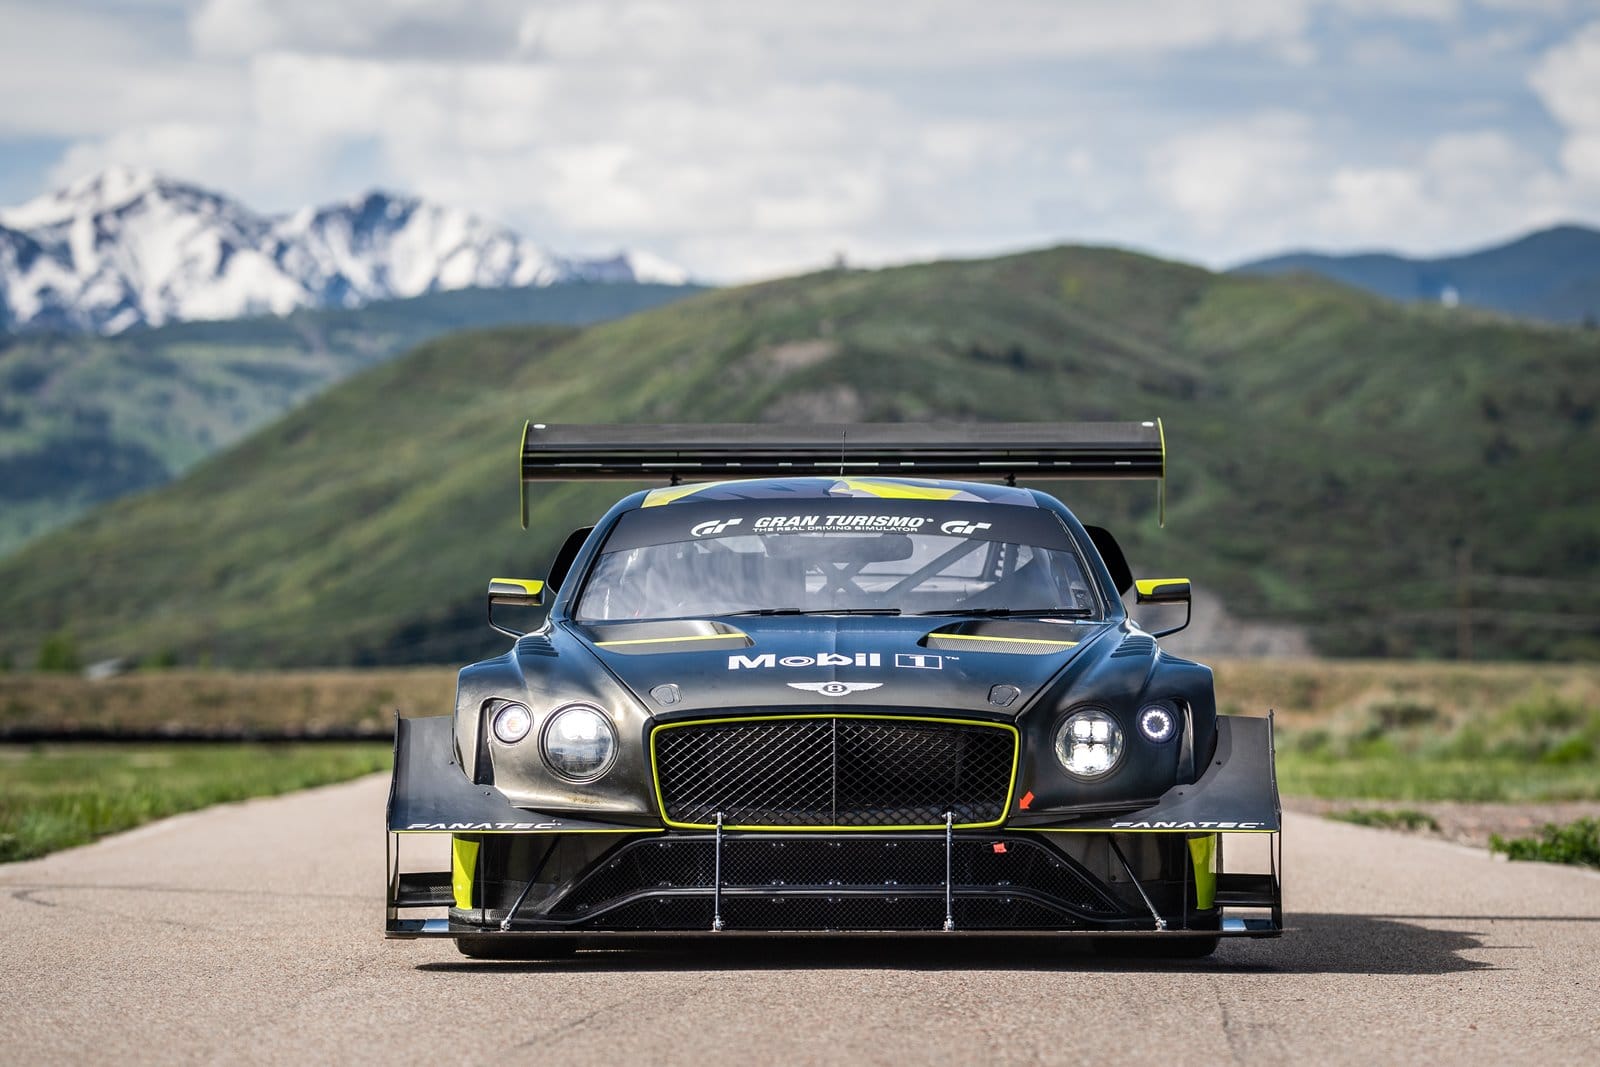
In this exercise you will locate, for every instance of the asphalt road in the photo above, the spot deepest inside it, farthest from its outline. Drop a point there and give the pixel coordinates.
(251, 933)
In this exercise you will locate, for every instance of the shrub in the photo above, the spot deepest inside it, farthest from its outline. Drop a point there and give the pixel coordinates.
(1404, 714)
(1387, 818)
(1577, 843)
(59, 652)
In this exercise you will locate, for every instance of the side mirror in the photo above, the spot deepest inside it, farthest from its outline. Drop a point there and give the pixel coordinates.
(516, 592)
(1165, 591)
(1162, 590)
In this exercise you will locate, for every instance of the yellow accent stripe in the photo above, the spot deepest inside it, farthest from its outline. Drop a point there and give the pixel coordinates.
(656, 497)
(735, 636)
(898, 491)
(661, 805)
(522, 485)
(1161, 486)
(463, 865)
(1009, 640)
(1203, 850)
(1148, 586)
(531, 586)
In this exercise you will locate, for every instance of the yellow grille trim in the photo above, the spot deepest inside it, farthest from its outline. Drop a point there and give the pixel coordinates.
(1011, 787)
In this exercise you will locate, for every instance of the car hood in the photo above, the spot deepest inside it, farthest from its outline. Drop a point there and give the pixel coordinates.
(930, 663)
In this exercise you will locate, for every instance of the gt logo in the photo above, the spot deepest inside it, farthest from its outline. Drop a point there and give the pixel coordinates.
(713, 526)
(962, 526)
(835, 689)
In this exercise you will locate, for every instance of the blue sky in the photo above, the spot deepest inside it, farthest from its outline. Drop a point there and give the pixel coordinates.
(746, 139)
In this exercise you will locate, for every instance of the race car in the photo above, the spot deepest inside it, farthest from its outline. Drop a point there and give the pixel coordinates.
(836, 679)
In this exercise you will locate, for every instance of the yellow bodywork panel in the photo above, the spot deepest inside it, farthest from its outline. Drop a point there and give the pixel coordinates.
(736, 635)
(898, 491)
(1156, 588)
(463, 866)
(530, 586)
(656, 497)
(1003, 640)
(1203, 850)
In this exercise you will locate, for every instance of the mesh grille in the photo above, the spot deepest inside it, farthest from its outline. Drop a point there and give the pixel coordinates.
(833, 771)
(883, 866)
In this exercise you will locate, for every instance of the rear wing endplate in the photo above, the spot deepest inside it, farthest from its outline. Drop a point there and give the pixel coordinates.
(709, 452)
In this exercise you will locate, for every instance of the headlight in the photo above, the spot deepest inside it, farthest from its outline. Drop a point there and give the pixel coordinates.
(1157, 722)
(512, 722)
(1089, 743)
(578, 743)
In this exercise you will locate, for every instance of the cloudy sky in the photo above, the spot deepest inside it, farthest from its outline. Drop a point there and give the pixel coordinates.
(745, 139)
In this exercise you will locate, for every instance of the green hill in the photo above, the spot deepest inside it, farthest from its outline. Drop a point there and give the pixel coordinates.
(84, 419)
(1329, 453)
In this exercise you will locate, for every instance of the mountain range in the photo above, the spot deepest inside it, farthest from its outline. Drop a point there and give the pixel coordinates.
(1552, 274)
(129, 247)
(1334, 458)
(85, 418)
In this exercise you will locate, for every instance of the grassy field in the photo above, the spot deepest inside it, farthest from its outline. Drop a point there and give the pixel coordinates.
(1380, 731)
(292, 702)
(56, 796)
(1427, 731)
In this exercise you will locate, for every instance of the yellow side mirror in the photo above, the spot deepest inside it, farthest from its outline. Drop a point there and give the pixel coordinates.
(1162, 590)
(516, 592)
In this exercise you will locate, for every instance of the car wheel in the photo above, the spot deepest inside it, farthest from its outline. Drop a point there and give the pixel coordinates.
(516, 948)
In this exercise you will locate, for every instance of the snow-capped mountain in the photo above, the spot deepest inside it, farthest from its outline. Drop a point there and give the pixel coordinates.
(129, 247)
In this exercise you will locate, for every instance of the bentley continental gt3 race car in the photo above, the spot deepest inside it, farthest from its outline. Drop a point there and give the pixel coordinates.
(837, 679)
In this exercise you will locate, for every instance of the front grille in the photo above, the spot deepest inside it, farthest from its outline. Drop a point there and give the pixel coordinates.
(833, 771)
(870, 882)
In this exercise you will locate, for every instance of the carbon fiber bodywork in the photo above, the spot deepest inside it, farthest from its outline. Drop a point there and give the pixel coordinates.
(836, 772)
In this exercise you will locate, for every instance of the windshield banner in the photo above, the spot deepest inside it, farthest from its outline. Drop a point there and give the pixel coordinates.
(974, 521)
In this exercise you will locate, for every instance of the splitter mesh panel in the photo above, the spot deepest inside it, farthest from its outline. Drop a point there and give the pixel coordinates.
(834, 771)
(869, 864)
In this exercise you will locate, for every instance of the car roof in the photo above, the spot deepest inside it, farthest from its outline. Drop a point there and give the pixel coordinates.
(841, 488)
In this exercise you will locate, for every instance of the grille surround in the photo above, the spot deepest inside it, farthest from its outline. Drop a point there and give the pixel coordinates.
(834, 772)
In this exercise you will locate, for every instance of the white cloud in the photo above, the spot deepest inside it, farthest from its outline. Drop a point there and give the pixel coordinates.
(1567, 79)
(750, 138)
(1441, 10)
(1231, 180)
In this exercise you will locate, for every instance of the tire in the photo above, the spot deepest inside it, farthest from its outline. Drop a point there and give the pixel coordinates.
(554, 947)
(1158, 947)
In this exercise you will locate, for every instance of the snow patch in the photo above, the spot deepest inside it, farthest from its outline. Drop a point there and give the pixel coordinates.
(127, 247)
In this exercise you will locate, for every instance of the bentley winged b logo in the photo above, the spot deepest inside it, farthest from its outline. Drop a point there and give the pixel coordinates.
(835, 689)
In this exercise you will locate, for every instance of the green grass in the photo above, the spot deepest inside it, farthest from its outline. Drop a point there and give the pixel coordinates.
(1576, 843)
(58, 796)
(1393, 778)
(1386, 818)
(1542, 747)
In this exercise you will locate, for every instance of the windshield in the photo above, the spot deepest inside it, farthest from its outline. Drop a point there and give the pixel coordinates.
(869, 556)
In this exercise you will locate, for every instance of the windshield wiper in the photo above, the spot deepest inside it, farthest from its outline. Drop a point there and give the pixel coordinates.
(1062, 613)
(812, 611)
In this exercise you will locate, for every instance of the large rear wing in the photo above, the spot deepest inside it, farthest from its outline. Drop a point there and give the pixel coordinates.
(710, 451)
